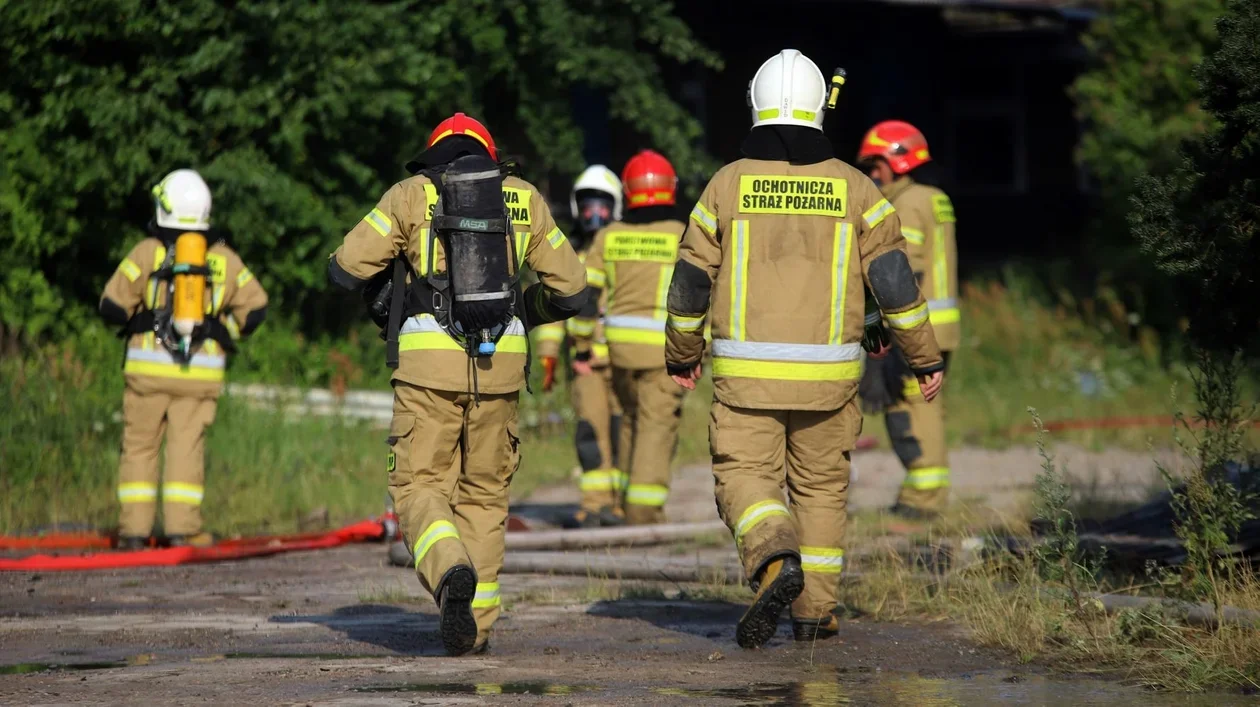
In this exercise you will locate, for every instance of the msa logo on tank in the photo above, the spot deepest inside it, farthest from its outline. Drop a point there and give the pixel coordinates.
(516, 201)
(809, 196)
(641, 245)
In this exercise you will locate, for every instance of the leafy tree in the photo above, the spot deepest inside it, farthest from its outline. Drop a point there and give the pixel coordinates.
(298, 112)
(1201, 224)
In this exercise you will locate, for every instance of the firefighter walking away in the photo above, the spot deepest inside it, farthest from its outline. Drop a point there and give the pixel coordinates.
(776, 254)
(895, 155)
(631, 264)
(594, 202)
(182, 298)
(439, 260)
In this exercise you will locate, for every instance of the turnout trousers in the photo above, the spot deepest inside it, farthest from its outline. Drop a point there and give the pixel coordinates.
(756, 453)
(599, 419)
(651, 404)
(916, 429)
(450, 463)
(147, 418)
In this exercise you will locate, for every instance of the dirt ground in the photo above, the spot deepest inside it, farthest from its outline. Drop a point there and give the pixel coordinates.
(342, 627)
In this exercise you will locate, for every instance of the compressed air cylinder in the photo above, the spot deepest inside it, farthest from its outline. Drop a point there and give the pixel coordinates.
(188, 307)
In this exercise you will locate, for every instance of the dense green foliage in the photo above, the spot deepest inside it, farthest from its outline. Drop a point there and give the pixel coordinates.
(298, 113)
(1201, 224)
(1140, 98)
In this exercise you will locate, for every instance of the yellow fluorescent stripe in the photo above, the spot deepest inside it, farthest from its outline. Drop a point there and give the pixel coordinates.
(129, 269)
(908, 319)
(487, 595)
(927, 478)
(169, 370)
(424, 252)
(437, 530)
(944, 316)
(580, 327)
(177, 492)
(678, 322)
(839, 281)
(739, 285)
(913, 235)
(877, 213)
(599, 351)
(754, 514)
(940, 278)
(243, 277)
(596, 278)
(555, 238)
(379, 221)
(662, 292)
(600, 481)
(440, 341)
(551, 332)
(137, 492)
(822, 551)
(787, 371)
(617, 335)
(653, 495)
(704, 217)
(910, 388)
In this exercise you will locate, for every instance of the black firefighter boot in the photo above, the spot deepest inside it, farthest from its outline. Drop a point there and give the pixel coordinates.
(815, 629)
(779, 584)
(455, 617)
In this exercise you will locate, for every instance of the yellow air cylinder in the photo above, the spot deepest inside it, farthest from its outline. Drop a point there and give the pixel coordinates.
(188, 307)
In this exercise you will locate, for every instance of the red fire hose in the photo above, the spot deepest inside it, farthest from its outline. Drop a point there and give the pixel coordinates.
(239, 549)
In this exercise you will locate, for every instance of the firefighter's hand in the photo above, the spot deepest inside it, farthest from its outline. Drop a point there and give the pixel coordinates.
(930, 384)
(687, 379)
(549, 373)
(582, 368)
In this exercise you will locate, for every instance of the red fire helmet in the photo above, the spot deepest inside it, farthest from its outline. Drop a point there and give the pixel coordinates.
(649, 180)
(898, 142)
(460, 124)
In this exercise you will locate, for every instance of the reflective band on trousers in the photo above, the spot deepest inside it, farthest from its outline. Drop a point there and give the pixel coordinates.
(604, 480)
(792, 362)
(437, 530)
(944, 311)
(177, 492)
(754, 514)
(824, 560)
(927, 478)
(908, 319)
(487, 595)
(202, 366)
(137, 492)
(678, 322)
(630, 329)
(580, 327)
(551, 332)
(647, 495)
(422, 332)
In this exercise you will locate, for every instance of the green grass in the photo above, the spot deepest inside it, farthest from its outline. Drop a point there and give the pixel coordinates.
(60, 432)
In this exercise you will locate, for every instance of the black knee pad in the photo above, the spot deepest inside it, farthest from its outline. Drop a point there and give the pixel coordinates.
(587, 446)
(905, 445)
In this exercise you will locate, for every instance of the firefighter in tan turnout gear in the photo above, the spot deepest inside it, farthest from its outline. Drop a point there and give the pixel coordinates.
(895, 154)
(182, 296)
(439, 261)
(634, 260)
(594, 202)
(776, 254)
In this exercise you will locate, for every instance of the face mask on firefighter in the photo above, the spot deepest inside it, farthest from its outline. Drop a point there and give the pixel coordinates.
(594, 211)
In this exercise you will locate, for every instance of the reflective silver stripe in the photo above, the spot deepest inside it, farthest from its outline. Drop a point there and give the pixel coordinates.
(472, 176)
(701, 214)
(200, 360)
(627, 321)
(422, 323)
(483, 296)
(939, 304)
(739, 259)
(767, 351)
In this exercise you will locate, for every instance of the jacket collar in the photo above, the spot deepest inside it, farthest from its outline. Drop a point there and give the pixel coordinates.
(795, 144)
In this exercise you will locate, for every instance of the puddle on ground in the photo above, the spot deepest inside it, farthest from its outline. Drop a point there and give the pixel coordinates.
(506, 688)
(22, 668)
(978, 690)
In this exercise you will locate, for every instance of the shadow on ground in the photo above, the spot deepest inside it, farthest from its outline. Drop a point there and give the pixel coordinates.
(404, 632)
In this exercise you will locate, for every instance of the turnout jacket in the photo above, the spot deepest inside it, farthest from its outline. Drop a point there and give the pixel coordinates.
(927, 222)
(550, 337)
(428, 356)
(233, 296)
(634, 264)
(775, 254)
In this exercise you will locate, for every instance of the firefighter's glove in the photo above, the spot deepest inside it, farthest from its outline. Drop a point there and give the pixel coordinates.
(549, 373)
(873, 389)
(875, 337)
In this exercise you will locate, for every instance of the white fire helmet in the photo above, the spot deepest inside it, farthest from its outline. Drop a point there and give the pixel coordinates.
(788, 90)
(597, 177)
(182, 201)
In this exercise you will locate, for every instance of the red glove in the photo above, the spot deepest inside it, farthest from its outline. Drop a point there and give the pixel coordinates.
(549, 373)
